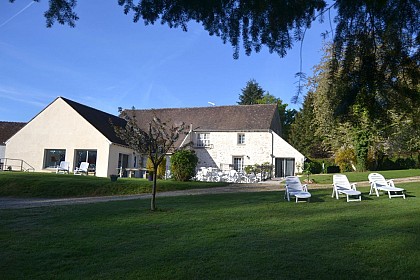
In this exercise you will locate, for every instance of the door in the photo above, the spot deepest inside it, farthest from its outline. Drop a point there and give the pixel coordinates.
(284, 167)
(122, 164)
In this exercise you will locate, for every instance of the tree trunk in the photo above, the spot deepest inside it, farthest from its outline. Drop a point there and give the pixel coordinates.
(153, 201)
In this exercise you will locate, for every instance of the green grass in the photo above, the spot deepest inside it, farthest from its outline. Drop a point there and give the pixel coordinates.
(363, 176)
(48, 185)
(51, 185)
(226, 236)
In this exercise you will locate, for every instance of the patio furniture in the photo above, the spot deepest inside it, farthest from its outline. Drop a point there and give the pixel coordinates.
(341, 185)
(82, 169)
(295, 188)
(63, 167)
(378, 183)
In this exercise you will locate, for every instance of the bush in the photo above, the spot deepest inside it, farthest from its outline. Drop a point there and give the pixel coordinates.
(314, 167)
(333, 169)
(345, 158)
(161, 168)
(183, 164)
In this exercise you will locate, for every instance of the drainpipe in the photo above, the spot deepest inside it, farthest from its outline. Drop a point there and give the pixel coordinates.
(272, 151)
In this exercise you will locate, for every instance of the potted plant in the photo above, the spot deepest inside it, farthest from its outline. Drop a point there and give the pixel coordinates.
(113, 177)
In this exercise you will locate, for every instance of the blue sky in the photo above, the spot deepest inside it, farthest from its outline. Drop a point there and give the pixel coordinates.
(108, 61)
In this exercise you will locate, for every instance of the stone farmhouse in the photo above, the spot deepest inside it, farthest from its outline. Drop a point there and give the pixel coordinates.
(224, 137)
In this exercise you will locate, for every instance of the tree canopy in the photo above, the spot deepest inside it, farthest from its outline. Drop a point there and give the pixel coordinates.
(251, 93)
(376, 43)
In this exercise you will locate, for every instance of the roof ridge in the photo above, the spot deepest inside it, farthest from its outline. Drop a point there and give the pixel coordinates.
(203, 107)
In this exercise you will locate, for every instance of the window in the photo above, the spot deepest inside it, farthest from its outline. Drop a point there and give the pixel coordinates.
(238, 163)
(241, 138)
(203, 139)
(86, 156)
(52, 157)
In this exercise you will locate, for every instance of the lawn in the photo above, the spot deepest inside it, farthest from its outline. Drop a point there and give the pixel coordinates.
(225, 236)
(363, 176)
(51, 185)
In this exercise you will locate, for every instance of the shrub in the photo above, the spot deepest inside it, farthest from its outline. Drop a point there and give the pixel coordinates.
(314, 167)
(345, 158)
(183, 164)
(161, 168)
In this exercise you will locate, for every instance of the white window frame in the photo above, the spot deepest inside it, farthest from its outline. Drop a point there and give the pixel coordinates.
(203, 139)
(241, 138)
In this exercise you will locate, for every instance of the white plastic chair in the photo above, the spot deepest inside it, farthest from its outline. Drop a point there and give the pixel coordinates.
(295, 188)
(378, 183)
(341, 185)
(82, 169)
(63, 167)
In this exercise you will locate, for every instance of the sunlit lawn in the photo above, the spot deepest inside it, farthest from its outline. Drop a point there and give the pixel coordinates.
(226, 236)
(32, 184)
(363, 176)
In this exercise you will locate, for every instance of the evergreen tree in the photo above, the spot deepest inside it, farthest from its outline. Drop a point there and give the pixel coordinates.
(251, 93)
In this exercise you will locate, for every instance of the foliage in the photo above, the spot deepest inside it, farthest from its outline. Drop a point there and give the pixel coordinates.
(392, 131)
(255, 24)
(375, 50)
(155, 141)
(251, 93)
(149, 164)
(376, 55)
(346, 159)
(303, 131)
(313, 167)
(287, 116)
(183, 164)
(161, 171)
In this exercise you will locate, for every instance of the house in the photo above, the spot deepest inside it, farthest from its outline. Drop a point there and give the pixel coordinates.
(7, 130)
(232, 137)
(223, 136)
(69, 131)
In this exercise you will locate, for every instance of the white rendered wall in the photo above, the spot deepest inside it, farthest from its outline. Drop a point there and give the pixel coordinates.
(259, 147)
(58, 126)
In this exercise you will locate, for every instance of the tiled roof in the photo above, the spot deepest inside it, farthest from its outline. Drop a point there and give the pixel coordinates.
(99, 119)
(8, 129)
(261, 117)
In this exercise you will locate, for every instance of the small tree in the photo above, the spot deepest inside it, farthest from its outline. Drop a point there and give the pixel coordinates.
(156, 141)
(183, 164)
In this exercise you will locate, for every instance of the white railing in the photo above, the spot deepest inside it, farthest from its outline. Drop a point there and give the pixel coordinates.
(11, 164)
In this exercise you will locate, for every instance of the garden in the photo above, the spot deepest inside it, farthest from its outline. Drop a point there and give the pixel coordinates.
(255, 235)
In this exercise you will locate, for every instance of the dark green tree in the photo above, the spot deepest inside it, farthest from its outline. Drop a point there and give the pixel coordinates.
(303, 131)
(251, 93)
(376, 53)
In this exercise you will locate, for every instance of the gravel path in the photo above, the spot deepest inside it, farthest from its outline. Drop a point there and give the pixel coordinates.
(275, 185)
